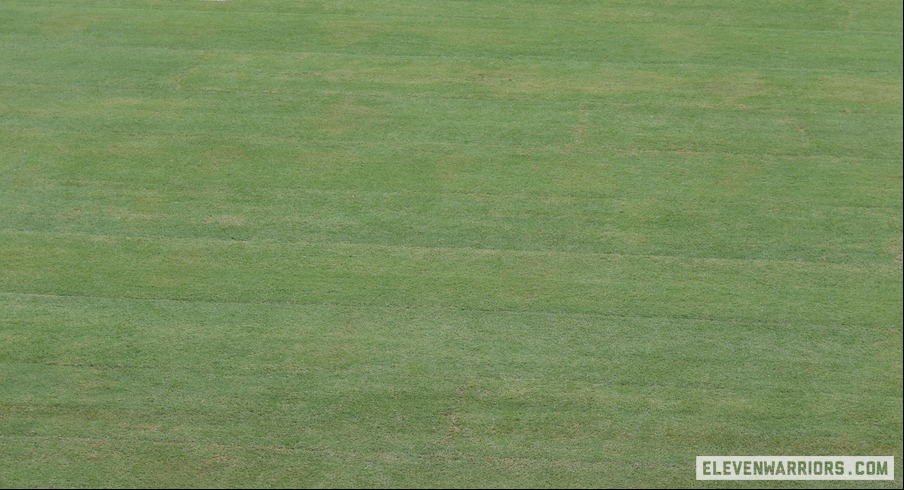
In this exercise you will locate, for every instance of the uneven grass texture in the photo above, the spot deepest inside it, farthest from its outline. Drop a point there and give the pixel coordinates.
(446, 243)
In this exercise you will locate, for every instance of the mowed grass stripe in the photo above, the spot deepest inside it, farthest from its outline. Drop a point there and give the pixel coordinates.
(295, 340)
(625, 87)
(484, 279)
(513, 125)
(663, 204)
(281, 73)
(269, 466)
(520, 224)
(733, 180)
(289, 342)
(472, 37)
(308, 62)
(450, 398)
(275, 466)
(525, 124)
(832, 16)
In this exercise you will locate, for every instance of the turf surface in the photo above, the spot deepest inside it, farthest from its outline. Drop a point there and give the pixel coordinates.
(494, 243)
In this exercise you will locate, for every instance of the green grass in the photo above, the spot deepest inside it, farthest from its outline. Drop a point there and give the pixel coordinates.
(446, 243)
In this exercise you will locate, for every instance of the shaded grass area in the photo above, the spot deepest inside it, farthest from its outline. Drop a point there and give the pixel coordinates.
(280, 243)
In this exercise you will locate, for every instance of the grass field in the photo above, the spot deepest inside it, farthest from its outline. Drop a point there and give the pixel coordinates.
(446, 243)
